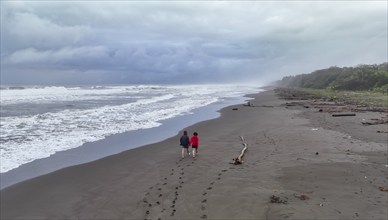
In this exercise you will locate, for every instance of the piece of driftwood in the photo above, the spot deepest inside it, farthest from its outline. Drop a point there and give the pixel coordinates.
(290, 104)
(260, 106)
(383, 189)
(301, 196)
(248, 104)
(277, 199)
(343, 114)
(375, 122)
(239, 160)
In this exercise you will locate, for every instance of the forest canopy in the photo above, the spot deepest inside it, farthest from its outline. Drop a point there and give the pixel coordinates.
(360, 78)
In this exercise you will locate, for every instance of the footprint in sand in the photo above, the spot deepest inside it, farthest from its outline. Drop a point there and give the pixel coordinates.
(203, 206)
(204, 201)
(286, 215)
(173, 206)
(150, 196)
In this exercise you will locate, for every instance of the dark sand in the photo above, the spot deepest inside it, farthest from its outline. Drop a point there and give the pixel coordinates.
(313, 167)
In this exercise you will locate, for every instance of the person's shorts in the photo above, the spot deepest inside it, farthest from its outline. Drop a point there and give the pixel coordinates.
(195, 147)
(185, 146)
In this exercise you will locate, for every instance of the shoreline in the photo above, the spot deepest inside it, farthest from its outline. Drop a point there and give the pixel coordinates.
(293, 168)
(117, 143)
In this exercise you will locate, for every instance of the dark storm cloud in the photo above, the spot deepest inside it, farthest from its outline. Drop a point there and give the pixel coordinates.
(174, 42)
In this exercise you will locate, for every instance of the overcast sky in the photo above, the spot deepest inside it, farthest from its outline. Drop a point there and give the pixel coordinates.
(185, 42)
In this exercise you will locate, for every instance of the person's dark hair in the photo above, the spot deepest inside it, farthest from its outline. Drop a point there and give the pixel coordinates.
(195, 134)
(184, 132)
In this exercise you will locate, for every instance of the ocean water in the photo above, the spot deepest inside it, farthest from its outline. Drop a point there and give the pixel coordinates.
(38, 121)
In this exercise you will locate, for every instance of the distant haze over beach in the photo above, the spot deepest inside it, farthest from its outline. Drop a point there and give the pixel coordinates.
(108, 42)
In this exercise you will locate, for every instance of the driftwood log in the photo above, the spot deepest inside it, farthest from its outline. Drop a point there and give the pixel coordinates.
(375, 121)
(343, 114)
(239, 160)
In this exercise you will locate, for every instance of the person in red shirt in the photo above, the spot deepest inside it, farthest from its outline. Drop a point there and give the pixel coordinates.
(194, 142)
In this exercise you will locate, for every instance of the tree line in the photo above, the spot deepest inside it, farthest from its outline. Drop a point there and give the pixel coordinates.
(360, 78)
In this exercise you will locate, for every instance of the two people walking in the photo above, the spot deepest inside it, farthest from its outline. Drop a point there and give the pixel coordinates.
(185, 142)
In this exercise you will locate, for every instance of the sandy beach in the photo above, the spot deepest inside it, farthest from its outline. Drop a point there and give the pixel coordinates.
(301, 163)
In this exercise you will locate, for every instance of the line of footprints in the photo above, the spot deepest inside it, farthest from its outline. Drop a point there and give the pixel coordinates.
(157, 204)
(206, 192)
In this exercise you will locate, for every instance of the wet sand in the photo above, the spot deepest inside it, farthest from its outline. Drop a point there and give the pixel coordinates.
(300, 164)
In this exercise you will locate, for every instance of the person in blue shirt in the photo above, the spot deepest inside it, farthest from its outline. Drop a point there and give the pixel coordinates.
(185, 143)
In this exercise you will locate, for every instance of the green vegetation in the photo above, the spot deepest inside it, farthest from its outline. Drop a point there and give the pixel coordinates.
(364, 98)
(360, 78)
(361, 85)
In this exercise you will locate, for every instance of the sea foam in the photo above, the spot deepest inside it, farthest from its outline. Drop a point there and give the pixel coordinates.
(68, 117)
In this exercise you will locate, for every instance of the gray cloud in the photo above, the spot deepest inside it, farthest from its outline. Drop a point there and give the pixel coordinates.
(175, 42)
